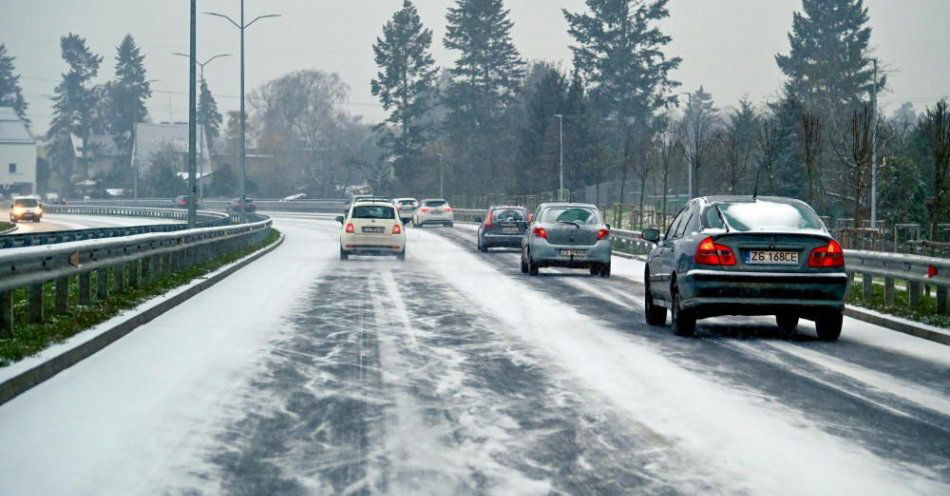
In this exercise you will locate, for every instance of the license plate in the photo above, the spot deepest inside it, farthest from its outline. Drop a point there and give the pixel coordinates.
(436, 212)
(374, 229)
(573, 253)
(772, 257)
(509, 230)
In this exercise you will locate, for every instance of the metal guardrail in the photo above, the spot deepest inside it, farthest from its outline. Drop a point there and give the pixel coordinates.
(917, 272)
(120, 262)
(334, 206)
(205, 219)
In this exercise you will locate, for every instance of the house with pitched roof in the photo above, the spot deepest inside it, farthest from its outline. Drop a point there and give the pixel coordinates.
(17, 155)
(167, 140)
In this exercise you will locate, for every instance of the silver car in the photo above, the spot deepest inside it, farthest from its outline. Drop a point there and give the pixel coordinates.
(571, 235)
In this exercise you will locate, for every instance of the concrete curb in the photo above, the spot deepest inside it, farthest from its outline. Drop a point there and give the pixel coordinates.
(24, 381)
(905, 326)
(10, 230)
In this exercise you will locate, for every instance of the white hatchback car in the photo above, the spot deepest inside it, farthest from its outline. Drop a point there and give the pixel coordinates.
(434, 211)
(406, 207)
(372, 228)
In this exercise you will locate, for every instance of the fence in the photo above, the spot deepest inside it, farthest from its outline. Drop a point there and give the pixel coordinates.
(222, 204)
(132, 261)
(205, 219)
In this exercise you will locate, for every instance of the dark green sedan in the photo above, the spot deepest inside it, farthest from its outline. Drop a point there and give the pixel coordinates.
(740, 255)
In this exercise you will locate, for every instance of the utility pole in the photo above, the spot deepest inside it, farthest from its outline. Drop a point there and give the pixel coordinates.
(441, 176)
(560, 128)
(242, 26)
(689, 163)
(201, 136)
(874, 149)
(192, 111)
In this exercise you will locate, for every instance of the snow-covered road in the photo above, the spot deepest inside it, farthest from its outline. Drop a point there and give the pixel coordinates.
(452, 373)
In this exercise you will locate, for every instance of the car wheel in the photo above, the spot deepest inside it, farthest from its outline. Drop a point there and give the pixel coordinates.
(786, 321)
(13, 219)
(595, 270)
(828, 326)
(344, 255)
(524, 264)
(450, 224)
(533, 268)
(401, 256)
(605, 271)
(655, 315)
(684, 321)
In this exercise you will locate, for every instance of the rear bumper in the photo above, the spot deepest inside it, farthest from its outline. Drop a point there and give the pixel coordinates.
(713, 292)
(372, 244)
(435, 219)
(548, 255)
(505, 240)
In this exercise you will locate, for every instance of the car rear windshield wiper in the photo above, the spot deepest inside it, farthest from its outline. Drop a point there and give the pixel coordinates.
(722, 218)
(571, 222)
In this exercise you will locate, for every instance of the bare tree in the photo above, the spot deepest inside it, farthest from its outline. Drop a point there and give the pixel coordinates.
(697, 132)
(854, 154)
(739, 144)
(770, 140)
(935, 126)
(810, 142)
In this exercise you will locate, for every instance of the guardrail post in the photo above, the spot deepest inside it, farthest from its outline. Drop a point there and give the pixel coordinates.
(6, 314)
(132, 267)
(146, 270)
(941, 300)
(85, 297)
(102, 284)
(118, 276)
(913, 293)
(889, 291)
(867, 286)
(35, 301)
(61, 300)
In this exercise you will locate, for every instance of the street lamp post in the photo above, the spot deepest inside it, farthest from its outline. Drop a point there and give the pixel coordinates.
(201, 119)
(441, 176)
(560, 128)
(242, 26)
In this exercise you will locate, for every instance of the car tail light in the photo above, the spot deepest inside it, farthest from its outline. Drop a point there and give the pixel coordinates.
(397, 229)
(711, 253)
(602, 234)
(424, 210)
(350, 229)
(830, 255)
(540, 232)
(448, 208)
(488, 220)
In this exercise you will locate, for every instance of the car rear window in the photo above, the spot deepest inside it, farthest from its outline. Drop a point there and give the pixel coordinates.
(436, 203)
(407, 202)
(373, 212)
(572, 214)
(508, 214)
(25, 202)
(763, 216)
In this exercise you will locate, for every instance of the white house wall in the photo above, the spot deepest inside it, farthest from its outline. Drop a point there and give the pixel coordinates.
(24, 155)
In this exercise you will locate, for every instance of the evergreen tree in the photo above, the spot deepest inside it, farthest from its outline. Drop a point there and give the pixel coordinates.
(485, 80)
(208, 114)
(739, 142)
(582, 144)
(538, 165)
(618, 50)
(73, 107)
(405, 85)
(828, 67)
(128, 94)
(11, 95)
(698, 129)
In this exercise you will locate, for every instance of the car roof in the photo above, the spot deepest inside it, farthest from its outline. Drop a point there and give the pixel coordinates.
(748, 199)
(372, 201)
(496, 207)
(404, 199)
(566, 204)
(436, 199)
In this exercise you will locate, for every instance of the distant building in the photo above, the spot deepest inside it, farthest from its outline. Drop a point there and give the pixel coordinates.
(17, 155)
(153, 140)
(101, 154)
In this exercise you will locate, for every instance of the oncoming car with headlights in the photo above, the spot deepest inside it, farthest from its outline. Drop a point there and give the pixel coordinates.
(372, 228)
(25, 208)
(742, 255)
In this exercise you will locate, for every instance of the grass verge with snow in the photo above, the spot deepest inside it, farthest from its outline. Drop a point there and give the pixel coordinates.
(29, 339)
(925, 311)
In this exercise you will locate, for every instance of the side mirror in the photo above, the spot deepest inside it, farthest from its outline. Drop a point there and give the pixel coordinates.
(651, 235)
(608, 226)
(340, 219)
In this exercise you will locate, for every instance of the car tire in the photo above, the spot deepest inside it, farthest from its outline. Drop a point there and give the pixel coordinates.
(787, 321)
(605, 271)
(524, 264)
(450, 224)
(401, 256)
(533, 268)
(595, 270)
(344, 255)
(684, 321)
(828, 325)
(655, 315)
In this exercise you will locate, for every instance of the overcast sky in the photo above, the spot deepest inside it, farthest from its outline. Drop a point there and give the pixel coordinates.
(726, 45)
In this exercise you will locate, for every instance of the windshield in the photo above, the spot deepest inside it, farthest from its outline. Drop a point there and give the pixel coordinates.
(373, 212)
(436, 203)
(572, 215)
(508, 215)
(762, 216)
(25, 202)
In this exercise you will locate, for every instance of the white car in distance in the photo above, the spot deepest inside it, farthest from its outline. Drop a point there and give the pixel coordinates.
(372, 228)
(434, 211)
(406, 208)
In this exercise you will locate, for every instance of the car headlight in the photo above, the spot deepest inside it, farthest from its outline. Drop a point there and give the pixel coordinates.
(18, 210)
